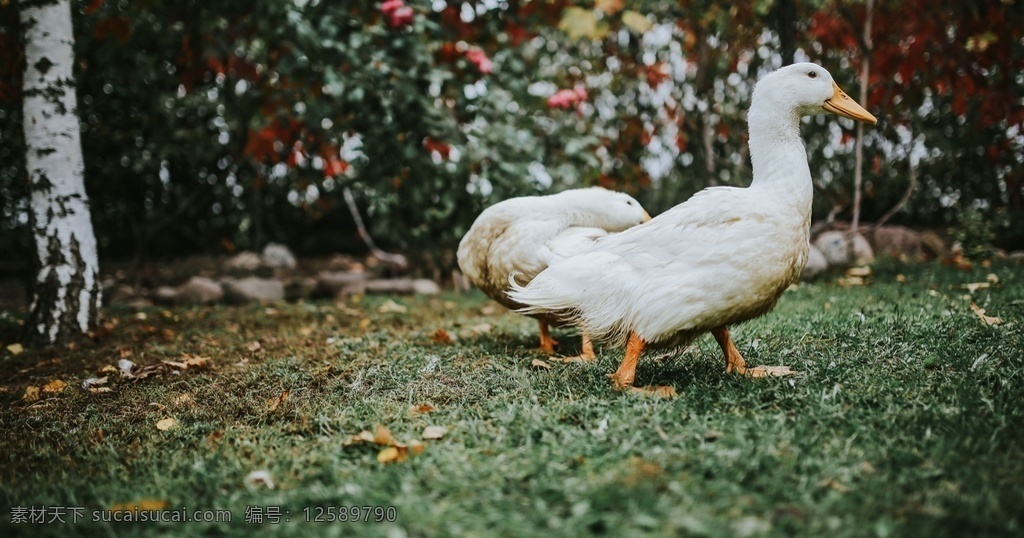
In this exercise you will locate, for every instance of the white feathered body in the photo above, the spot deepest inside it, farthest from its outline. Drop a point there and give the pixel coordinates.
(525, 235)
(722, 257)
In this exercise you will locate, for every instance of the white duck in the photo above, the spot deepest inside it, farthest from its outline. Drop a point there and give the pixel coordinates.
(524, 235)
(722, 257)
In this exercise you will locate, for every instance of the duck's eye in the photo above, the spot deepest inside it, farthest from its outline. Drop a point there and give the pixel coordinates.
(812, 74)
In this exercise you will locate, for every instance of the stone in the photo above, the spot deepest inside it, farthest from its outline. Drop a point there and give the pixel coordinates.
(863, 254)
(244, 262)
(933, 245)
(331, 283)
(278, 256)
(897, 241)
(300, 289)
(425, 286)
(199, 290)
(166, 295)
(253, 289)
(816, 264)
(1016, 256)
(834, 247)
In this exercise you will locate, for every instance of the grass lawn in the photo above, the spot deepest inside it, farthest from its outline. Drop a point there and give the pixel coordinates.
(907, 420)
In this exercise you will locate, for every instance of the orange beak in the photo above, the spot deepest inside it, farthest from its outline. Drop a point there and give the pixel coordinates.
(647, 216)
(842, 104)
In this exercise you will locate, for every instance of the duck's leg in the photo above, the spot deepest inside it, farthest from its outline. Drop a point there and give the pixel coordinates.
(586, 354)
(547, 344)
(734, 361)
(623, 377)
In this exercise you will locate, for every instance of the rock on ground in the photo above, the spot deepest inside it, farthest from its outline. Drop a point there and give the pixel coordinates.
(897, 241)
(253, 289)
(278, 256)
(243, 262)
(833, 247)
(816, 264)
(199, 290)
(863, 254)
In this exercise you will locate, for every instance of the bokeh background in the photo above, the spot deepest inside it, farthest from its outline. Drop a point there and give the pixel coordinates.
(218, 126)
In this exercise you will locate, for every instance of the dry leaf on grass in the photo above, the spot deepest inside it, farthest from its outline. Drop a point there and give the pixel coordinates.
(143, 505)
(189, 361)
(537, 363)
(54, 387)
(443, 337)
(31, 394)
(434, 432)
(94, 381)
(260, 478)
(15, 349)
(390, 455)
(972, 287)
(166, 424)
(383, 436)
(863, 271)
(362, 437)
(987, 320)
(254, 346)
(276, 401)
(421, 408)
(391, 307)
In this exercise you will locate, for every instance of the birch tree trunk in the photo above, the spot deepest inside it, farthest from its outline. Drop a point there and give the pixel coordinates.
(858, 167)
(66, 292)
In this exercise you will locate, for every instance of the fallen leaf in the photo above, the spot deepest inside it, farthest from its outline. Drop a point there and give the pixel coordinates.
(988, 320)
(15, 349)
(184, 400)
(276, 401)
(863, 271)
(382, 436)
(834, 484)
(481, 328)
(390, 455)
(141, 316)
(972, 287)
(993, 278)
(94, 381)
(125, 367)
(443, 337)
(902, 279)
(253, 346)
(391, 307)
(362, 437)
(305, 331)
(31, 394)
(99, 390)
(158, 406)
(416, 447)
(108, 369)
(660, 391)
(488, 310)
(421, 408)
(54, 387)
(166, 424)
(537, 363)
(260, 478)
(434, 432)
(364, 324)
(124, 352)
(144, 504)
(713, 435)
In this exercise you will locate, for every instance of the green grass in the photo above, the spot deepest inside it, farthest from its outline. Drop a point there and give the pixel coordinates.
(907, 421)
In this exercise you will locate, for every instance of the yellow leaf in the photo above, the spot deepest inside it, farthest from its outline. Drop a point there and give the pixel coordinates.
(579, 22)
(987, 320)
(15, 349)
(31, 394)
(276, 401)
(362, 437)
(144, 504)
(422, 408)
(364, 324)
(864, 271)
(55, 386)
(636, 21)
(434, 432)
(166, 424)
(993, 278)
(610, 7)
(390, 454)
(383, 436)
(537, 363)
(391, 307)
(254, 345)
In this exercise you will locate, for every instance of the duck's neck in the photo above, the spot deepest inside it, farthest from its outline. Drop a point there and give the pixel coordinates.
(778, 157)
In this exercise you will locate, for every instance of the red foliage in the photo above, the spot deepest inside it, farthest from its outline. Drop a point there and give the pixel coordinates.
(119, 28)
(568, 98)
(93, 6)
(397, 13)
(433, 145)
(479, 58)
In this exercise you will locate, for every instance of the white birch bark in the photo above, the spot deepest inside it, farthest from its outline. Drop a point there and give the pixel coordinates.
(66, 292)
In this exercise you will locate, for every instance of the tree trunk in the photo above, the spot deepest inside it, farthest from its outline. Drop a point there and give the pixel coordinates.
(66, 292)
(785, 25)
(858, 170)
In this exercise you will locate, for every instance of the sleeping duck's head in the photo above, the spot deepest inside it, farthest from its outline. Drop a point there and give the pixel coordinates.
(609, 210)
(806, 89)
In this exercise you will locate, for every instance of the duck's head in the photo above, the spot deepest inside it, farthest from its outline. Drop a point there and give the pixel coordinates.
(807, 89)
(610, 210)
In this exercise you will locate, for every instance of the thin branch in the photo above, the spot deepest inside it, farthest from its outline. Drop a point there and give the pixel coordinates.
(396, 259)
